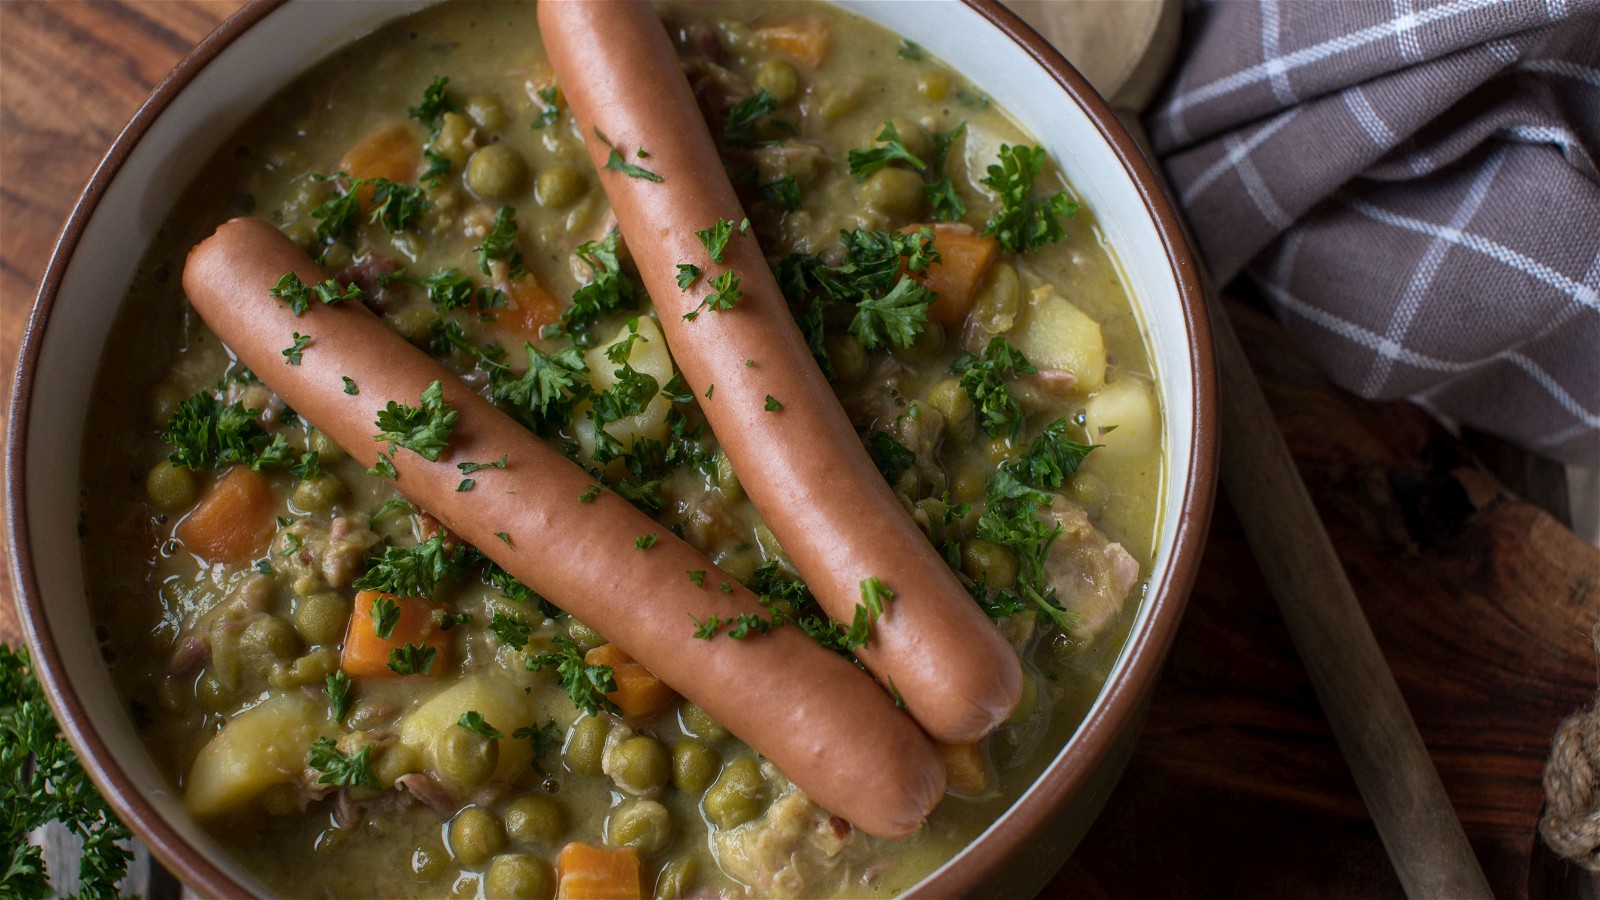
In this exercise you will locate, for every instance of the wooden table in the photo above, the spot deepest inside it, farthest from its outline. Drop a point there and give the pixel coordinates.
(1483, 602)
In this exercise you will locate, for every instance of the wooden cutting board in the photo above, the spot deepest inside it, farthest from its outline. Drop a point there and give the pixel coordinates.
(1482, 601)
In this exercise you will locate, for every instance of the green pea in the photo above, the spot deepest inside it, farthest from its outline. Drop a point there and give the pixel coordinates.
(464, 758)
(696, 722)
(536, 819)
(849, 357)
(583, 636)
(485, 112)
(968, 484)
(318, 495)
(165, 399)
(451, 142)
(990, 563)
(324, 447)
(559, 187)
(735, 798)
(777, 78)
(212, 694)
(1028, 702)
(727, 478)
(643, 825)
(475, 835)
(171, 487)
(950, 399)
(496, 172)
(429, 862)
(586, 744)
(518, 876)
(322, 618)
(892, 192)
(927, 344)
(677, 878)
(640, 765)
(269, 639)
(1090, 491)
(694, 766)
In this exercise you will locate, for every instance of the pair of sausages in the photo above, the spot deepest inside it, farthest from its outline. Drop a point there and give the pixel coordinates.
(833, 732)
(806, 470)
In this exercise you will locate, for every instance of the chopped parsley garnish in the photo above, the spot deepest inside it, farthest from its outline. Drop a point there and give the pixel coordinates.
(448, 620)
(546, 393)
(745, 116)
(292, 544)
(473, 721)
(449, 289)
(309, 466)
(205, 433)
(591, 493)
(587, 685)
(627, 397)
(783, 193)
(264, 567)
(941, 192)
(725, 294)
(383, 468)
(467, 468)
(688, 274)
(337, 689)
(341, 770)
(423, 429)
(619, 163)
(438, 168)
(292, 352)
(676, 390)
(895, 318)
(984, 379)
(772, 404)
(388, 507)
(294, 292)
(891, 305)
(1052, 457)
(505, 537)
(501, 243)
(873, 594)
(466, 484)
(715, 238)
(512, 631)
(412, 659)
(1021, 223)
(644, 541)
(698, 577)
(889, 455)
(545, 739)
(550, 96)
(865, 162)
(394, 205)
(910, 49)
(607, 290)
(435, 103)
(411, 571)
(385, 616)
(350, 387)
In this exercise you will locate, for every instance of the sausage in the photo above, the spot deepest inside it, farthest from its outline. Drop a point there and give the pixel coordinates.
(805, 469)
(831, 730)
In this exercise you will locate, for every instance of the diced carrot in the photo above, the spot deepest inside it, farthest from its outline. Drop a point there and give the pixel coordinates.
(367, 656)
(639, 692)
(585, 872)
(234, 520)
(804, 41)
(391, 152)
(964, 258)
(964, 768)
(529, 308)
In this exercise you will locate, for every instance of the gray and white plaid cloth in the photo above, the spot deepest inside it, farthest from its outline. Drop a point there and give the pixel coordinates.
(1414, 186)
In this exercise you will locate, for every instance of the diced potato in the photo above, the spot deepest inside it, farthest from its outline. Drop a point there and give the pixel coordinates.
(1058, 335)
(499, 700)
(648, 355)
(262, 747)
(1129, 409)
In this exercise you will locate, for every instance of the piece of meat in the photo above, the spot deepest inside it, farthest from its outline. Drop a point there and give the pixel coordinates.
(1092, 574)
(794, 850)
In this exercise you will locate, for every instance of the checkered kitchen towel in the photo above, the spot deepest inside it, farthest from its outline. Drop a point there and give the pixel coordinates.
(1414, 185)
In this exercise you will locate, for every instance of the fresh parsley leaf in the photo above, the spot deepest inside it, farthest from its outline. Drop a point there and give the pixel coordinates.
(739, 130)
(394, 205)
(206, 433)
(1052, 457)
(505, 537)
(865, 162)
(698, 577)
(546, 393)
(337, 689)
(263, 567)
(895, 318)
(350, 387)
(467, 468)
(772, 404)
(546, 738)
(512, 631)
(620, 164)
(473, 721)
(388, 507)
(292, 544)
(292, 352)
(715, 238)
(1021, 223)
(438, 168)
(644, 541)
(294, 292)
(423, 429)
(688, 274)
(550, 96)
(449, 289)
(466, 484)
(910, 49)
(435, 102)
(411, 571)
(607, 290)
(383, 468)
(587, 685)
(341, 770)
(589, 495)
(726, 291)
(984, 379)
(889, 455)
(448, 620)
(385, 616)
(412, 659)
(873, 595)
(783, 193)
(941, 192)
(501, 243)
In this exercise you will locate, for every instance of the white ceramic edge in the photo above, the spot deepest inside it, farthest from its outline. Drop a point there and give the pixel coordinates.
(222, 97)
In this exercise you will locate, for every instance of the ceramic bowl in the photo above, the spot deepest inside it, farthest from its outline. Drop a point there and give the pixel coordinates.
(259, 51)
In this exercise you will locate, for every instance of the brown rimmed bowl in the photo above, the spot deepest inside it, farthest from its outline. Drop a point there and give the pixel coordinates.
(260, 50)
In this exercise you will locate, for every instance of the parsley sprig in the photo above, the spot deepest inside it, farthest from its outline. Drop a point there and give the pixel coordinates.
(423, 429)
(205, 433)
(1022, 223)
(587, 685)
(865, 162)
(298, 295)
(984, 377)
(345, 771)
(411, 571)
(619, 163)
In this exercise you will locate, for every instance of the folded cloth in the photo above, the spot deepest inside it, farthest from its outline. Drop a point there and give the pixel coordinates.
(1414, 186)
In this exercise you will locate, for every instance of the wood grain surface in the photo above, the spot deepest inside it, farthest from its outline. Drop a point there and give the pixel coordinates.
(1481, 601)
